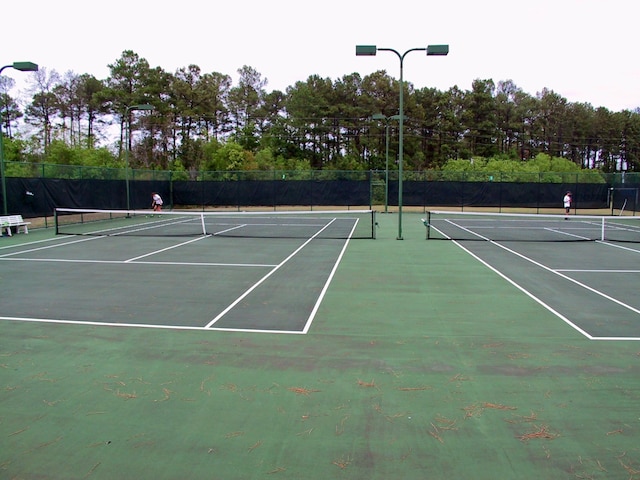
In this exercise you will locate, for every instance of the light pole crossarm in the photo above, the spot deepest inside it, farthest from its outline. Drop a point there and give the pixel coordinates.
(371, 50)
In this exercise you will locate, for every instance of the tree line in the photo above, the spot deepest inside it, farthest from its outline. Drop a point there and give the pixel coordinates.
(203, 122)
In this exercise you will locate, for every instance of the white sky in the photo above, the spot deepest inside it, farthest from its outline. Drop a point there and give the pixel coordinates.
(584, 50)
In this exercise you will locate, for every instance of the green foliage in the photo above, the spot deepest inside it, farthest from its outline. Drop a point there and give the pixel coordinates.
(212, 160)
(264, 159)
(99, 157)
(231, 156)
(14, 149)
(62, 154)
(543, 168)
(25, 170)
(64, 161)
(179, 172)
(346, 163)
(202, 122)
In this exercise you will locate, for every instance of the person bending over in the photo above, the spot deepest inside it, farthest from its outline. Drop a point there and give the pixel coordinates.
(156, 202)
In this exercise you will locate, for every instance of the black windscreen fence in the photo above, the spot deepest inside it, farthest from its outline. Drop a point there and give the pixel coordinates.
(500, 194)
(272, 193)
(33, 197)
(625, 198)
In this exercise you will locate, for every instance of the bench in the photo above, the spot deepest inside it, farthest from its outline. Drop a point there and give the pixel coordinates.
(10, 221)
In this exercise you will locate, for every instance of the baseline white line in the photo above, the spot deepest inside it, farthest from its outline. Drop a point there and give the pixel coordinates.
(526, 292)
(578, 270)
(143, 325)
(263, 279)
(133, 259)
(617, 339)
(307, 325)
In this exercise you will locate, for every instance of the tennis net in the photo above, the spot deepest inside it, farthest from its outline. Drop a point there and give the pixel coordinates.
(530, 227)
(336, 224)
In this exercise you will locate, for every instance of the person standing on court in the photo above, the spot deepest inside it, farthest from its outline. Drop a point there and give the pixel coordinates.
(567, 205)
(156, 202)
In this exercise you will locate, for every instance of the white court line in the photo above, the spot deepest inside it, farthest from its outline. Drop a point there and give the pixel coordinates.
(615, 245)
(525, 291)
(326, 284)
(133, 259)
(548, 307)
(230, 229)
(5, 247)
(143, 325)
(130, 260)
(210, 326)
(50, 246)
(119, 262)
(127, 230)
(580, 284)
(561, 232)
(263, 279)
(578, 270)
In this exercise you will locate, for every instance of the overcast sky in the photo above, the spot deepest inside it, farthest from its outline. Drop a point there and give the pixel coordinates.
(584, 50)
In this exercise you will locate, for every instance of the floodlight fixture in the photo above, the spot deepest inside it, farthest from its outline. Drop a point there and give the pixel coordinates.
(431, 50)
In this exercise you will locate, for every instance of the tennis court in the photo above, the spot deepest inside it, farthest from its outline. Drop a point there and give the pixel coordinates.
(584, 269)
(408, 359)
(239, 271)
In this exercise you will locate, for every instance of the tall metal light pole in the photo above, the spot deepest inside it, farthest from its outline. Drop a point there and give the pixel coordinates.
(371, 50)
(379, 116)
(23, 67)
(129, 109)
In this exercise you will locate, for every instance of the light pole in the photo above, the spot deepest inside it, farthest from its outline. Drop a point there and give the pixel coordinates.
(129, 109)
(379, 116)
(23, 67)
(371, 50)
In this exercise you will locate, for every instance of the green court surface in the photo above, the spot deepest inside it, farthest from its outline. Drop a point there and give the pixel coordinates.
(423, 360)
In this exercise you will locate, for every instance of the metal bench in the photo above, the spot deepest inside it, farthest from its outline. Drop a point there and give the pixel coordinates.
(10, 221)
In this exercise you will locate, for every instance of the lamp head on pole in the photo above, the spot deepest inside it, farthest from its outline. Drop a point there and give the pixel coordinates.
(370, 50)
(367, 50)
(381, 116)
(25, 66)
(439, 50)
(142, 106)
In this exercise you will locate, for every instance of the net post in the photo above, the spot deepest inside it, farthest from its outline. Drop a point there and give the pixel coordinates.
(428, 225)
(602, 230)
(373, 224)
(55, 220)
(610, 198)
(204, 228)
